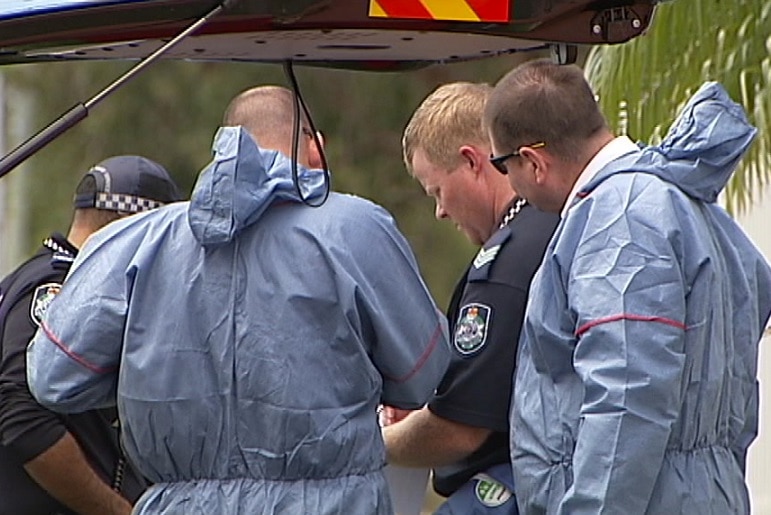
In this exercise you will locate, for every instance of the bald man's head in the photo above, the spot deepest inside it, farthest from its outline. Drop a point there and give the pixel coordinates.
(267, 113)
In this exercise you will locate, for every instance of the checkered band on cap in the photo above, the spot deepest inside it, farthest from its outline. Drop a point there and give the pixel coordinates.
(124, 203)
(126, 184)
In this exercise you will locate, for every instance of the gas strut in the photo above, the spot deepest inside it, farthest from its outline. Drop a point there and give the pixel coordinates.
(80, 110)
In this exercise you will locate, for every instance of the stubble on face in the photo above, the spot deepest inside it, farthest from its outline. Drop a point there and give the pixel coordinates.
(450, 191)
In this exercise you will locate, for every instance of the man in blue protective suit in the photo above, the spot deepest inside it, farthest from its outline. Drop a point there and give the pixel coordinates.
(249, 337)
(636, 387)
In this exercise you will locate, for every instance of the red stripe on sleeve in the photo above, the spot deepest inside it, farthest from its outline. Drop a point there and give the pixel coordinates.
(625, 316)
(422, 360)
(82, 361)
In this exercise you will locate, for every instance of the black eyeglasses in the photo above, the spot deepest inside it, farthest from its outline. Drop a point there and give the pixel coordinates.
(499, 162)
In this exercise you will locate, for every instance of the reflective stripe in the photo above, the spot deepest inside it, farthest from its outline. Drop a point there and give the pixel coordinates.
(442, 10)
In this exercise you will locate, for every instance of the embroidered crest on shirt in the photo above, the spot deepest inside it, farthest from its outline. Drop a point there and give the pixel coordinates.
(41, 299)
(485, 256)
(471, 329)
(490, 492)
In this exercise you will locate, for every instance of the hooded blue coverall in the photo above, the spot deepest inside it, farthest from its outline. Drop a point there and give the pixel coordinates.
(249, 339)
(636, 389)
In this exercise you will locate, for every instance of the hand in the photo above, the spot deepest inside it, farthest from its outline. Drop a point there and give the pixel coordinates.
(390, 415)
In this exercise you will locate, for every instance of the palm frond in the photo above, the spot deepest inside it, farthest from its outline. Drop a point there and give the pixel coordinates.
(690, 42)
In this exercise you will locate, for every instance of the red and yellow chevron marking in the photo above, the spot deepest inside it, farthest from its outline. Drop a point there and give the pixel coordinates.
(443, 10)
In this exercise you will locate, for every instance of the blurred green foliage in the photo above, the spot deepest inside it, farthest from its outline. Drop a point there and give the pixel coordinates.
(644, 84)
(170, 113)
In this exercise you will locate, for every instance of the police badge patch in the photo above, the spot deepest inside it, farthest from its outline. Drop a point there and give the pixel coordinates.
(41, 299)
(471, 329)
(490, 492)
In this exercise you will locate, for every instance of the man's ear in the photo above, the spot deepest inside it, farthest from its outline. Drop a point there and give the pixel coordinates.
(539, 160)
(314, 151)
(472, 157)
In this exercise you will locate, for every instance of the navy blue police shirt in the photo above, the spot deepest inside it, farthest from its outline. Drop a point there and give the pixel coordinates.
(26, 428)
(485, 316)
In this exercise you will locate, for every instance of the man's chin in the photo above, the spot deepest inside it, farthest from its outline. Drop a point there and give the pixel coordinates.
(471, 237)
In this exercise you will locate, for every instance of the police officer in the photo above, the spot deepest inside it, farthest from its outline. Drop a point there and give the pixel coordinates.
(66, 464)
(463, 432)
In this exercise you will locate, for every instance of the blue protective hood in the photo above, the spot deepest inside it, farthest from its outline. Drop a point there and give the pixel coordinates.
(242, 180)
(701, 150)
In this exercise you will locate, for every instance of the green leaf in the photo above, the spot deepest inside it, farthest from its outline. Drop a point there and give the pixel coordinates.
(690, 42)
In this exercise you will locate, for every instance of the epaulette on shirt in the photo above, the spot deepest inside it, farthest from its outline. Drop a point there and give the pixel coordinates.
(62, 260)
(483, 262)
(62, 257)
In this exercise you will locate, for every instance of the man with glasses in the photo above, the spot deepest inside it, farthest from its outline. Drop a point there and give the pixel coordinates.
(636, 386)
(463, 431)
(499, 162)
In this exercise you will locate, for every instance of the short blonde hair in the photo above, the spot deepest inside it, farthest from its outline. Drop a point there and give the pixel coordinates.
(449, 117)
